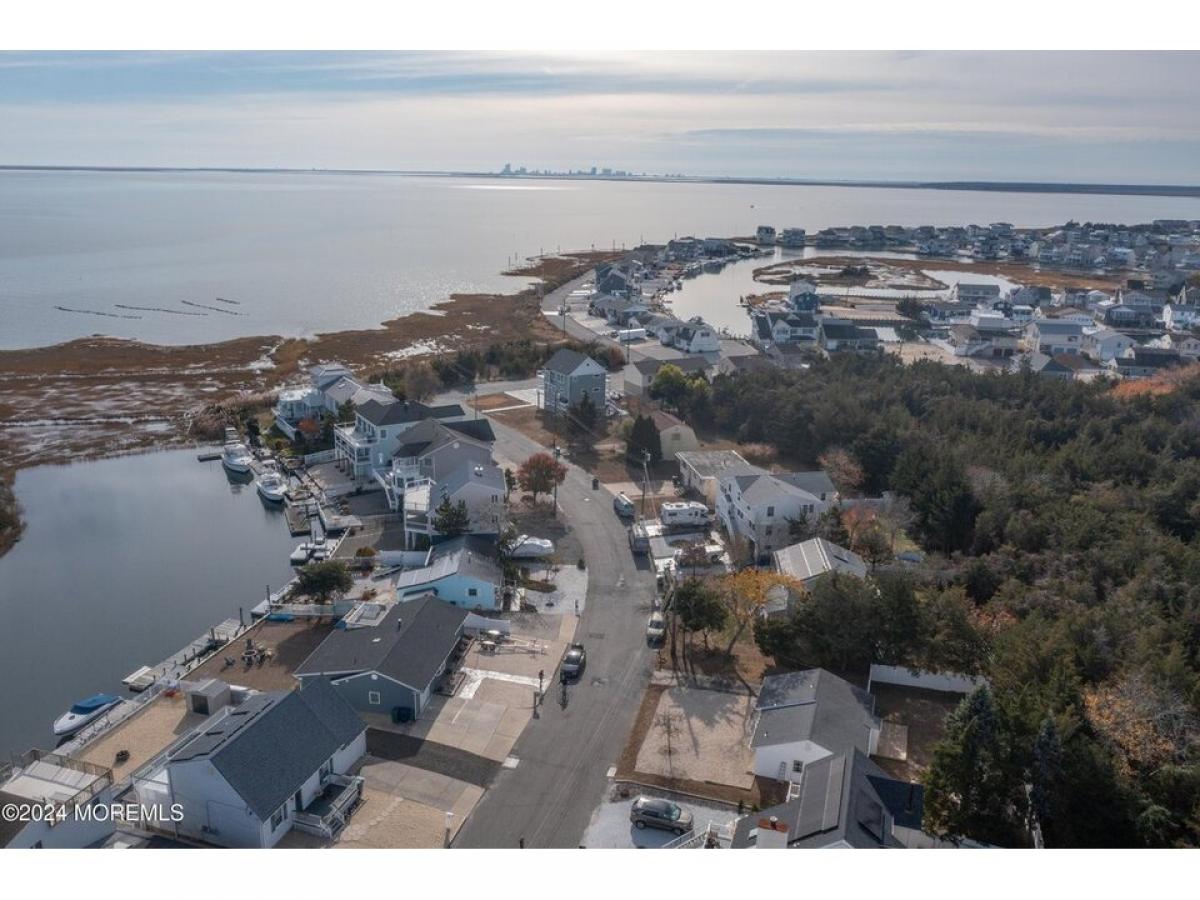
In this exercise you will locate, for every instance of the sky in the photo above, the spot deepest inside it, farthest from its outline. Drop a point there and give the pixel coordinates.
(1131, 118)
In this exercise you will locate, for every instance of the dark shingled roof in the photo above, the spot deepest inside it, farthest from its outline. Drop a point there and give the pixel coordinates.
(817, 706)
(840, 800)
(271, 744)
(414, 640)
(404, 411)
(566, 361)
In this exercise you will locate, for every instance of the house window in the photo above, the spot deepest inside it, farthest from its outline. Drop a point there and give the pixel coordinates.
(770, 511)
(472, 592)
(373, 698)
(797, 766)
(278, 816)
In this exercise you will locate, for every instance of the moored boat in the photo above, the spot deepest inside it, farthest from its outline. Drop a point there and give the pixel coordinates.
(84, 712)
(271, 484)
(236, 458)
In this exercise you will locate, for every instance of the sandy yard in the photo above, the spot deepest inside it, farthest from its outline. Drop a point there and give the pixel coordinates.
(709, 737)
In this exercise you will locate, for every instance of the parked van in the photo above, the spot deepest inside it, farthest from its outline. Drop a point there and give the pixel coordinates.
(623, 506)
(684, 513)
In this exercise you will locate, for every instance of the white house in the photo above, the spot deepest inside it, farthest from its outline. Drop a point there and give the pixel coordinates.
(803, 717)
(696, 336)
(250, 773)
(1054, 336)
(433, 450)
(702, 470)
(1103, 344)
(757, 508)
(370, 443)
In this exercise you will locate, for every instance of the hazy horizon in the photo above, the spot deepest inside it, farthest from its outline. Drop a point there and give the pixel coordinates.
(1094, 117)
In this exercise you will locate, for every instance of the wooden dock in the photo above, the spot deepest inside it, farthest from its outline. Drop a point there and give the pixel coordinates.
(182, 662)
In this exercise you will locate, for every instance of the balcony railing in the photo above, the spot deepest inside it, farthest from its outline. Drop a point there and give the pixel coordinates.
(327, 815)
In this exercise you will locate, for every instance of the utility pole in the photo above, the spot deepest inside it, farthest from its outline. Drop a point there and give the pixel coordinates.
(557, 454)
(645, 479)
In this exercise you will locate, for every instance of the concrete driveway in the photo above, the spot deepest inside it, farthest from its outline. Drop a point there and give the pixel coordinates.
(610, 826)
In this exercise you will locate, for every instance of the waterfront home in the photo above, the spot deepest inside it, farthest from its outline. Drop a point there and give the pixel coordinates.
(803, 297)
(461, 571)
(431, 450)
(804, 717)
(640, 375)
(841, 802)
(392, 663)
(696, 336)
(1187, 345)
(294, 405)
(349, 390)
(568, 377)
(1122, 316)
(757, 508)
(43, 779)
(661, 326)
(792, 237)
(371, 441)
(765, 235)
(674, 435)
(252, 772)
(1103, 344)
(770, 328)
(809, 560)
(1052, 336)
(324, 374)
(702, 470)
(479, 487)
(975, 294)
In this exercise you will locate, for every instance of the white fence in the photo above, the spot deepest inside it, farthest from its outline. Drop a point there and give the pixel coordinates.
(322, 456)
(950, 682)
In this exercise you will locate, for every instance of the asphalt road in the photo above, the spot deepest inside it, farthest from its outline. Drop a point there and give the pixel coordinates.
(548, 799)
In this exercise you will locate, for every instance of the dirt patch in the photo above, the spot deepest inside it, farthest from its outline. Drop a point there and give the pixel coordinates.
(924, 713)
(493, 401)
(700, 735)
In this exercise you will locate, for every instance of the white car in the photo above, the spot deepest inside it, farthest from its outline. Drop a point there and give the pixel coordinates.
(656, 628)
(526, 547)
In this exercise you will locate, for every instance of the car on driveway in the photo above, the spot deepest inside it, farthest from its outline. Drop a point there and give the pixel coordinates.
(574, 661)
(656, 628)
(655, 812)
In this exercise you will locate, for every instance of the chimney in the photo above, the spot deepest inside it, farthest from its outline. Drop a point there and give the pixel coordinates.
(772, 834)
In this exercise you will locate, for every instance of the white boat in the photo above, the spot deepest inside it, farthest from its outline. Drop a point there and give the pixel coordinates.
(83, 712)
(236, 458)
(526, 547)
(271, 485)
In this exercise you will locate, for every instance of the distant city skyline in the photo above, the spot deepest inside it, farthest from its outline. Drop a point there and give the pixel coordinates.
(1125, 118)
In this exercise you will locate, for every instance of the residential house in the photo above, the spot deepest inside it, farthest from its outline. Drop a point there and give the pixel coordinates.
(42, 779)
(695, 336)
(742, 365)
(765, 234)
(809, 560)
(757, 508)
(792, 237)
(702, 470)
(1103, 344)
(391, 663)
(568, 377)
(1186, 344)
(250, 773)
(776, 327)
(975, 294)
(1140, 362)
(674, 435)
(807, 716)
(432, 450)
(841, 802)
(1051, 337)
(478, 486)
(640, 375)
(838, 335)
(1051, 366)
(378, 428)
(461, 571)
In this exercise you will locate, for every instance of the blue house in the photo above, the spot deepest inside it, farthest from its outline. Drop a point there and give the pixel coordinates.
(460, 571)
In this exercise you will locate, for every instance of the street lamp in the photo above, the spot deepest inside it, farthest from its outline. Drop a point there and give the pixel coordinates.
(557, 455)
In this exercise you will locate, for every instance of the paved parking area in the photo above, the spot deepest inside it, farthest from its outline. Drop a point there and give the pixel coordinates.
(610, 826)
